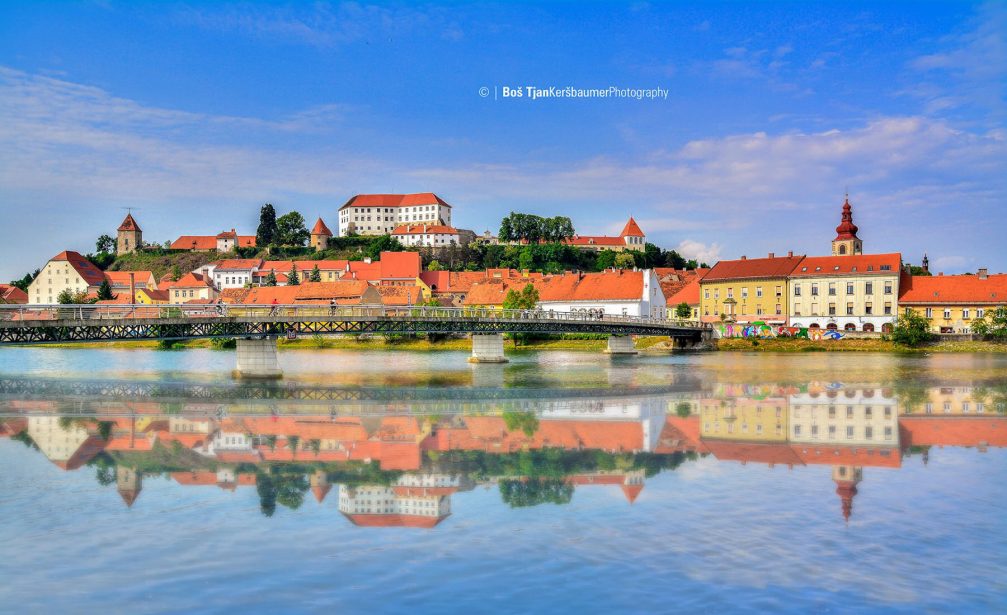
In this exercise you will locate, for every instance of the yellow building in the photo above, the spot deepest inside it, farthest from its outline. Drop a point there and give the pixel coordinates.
(744, 419)
(748, 290)
(952, 302)
(67, 271)
(857, 292)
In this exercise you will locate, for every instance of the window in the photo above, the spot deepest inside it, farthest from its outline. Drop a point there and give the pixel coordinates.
(888, 433)
(779, 291)
(849, 308)
(980, 312)
(869, 288)
(744, 292)
(797, 290)
(832, 412)
(832, 289)
(929, 408)
(947, 313)
(888, 308)
(779, 309)
(814, 431)
(930, 312)
(849, 432)
(832, 432)
(888, 288)
(868, 433)
(947, 407)
(849, 288)
(869, 309)
(868, 412)
(849, 412)
(706, 293)
(965, 314)
(730, 292)
(797, 430)
(758, 291)
(814, 290)
(832, 309)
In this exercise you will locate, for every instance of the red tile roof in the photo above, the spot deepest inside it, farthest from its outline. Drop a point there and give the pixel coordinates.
(306, 292)
(238, 264)
(442, 282)
(632, 229)
(302, 266)
(85, 268)
(953, 430)
(390, 520)
(208, 242)
(621, 285)
(12, 294)
(321, 229)
(129, 224)
(394, 200)
(861, 264)
(594, 240)
(121, 278)
(189, 280)
(424, 229)
(954, 289)
(752, 268)
(831, 455)
(768, 453)
(400, 265)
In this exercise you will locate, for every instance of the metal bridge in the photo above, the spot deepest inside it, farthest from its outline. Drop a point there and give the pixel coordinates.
(47, 324)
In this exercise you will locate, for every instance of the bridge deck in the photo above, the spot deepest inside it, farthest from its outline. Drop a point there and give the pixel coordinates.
(84, 323)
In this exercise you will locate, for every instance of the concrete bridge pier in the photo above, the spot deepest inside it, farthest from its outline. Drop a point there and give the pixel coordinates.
(620, 344)
(487, 348)
(257, 358)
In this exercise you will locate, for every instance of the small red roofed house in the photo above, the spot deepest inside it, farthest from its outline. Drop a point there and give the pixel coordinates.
(12, 295)
(631, 238)
(953, 302)
(221, 242)
(190, 287)
(67, 271)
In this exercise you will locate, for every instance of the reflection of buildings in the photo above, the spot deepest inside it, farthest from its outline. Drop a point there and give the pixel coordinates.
(401, 470)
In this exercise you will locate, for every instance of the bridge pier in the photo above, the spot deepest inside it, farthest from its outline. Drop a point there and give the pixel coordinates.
(487, 348)
(620, 344)
(257, 358)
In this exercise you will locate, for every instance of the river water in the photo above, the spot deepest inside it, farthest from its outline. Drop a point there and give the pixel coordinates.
(400, 482)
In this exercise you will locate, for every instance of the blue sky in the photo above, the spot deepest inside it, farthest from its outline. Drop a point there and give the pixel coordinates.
(197, 114)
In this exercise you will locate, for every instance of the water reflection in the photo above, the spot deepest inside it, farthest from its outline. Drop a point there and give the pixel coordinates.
(399, 461)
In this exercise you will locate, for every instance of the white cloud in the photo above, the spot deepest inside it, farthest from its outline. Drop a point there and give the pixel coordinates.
(699, 251)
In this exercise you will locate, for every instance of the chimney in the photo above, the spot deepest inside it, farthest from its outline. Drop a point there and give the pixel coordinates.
(790, 253)
(367, 260)
(940, 273)
(744, 258)
(983, 273)
(132, 288)
(772, 255)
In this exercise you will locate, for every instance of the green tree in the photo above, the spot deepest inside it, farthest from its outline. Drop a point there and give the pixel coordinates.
(506, 233)
(69, 297)
(105, 244)
(527, 422)
(435, 266)
(993, 324)
(384, 243)
(682, 310)
(270, 278)
(624, 260)
(293, 442)
(316, 274)
(176, 273)
(266, 233)
(683, 409)
(911, 329)
(24, 282)
(917, 270)
(525, 299)
(535, 491)
(606, 260)
(315, 445)
(293, 278)
(527, 258)
(105, 291)
(266, 488)
(291, 231)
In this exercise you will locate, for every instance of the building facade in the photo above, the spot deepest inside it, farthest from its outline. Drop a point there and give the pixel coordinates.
(857, 292)
(66, 271)
(952, 302)
(632, 237)
(129, 236)
(426, 235)
(748, 290)
(380, 214)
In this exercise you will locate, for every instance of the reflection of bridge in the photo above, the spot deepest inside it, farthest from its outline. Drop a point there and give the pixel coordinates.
(256, 327)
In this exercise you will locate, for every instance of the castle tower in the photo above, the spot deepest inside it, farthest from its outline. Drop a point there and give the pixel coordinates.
(846, 479)
(633, 235)
(320, 485)
(320, 236)
(129, 483)
(846, 241)
(129, 236)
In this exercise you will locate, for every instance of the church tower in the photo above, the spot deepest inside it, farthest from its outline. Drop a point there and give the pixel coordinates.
(846, 241)
(129, 237)
(846, 479)
(128, 483)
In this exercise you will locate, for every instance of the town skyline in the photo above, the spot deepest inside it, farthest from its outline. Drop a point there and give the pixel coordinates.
(911, 123)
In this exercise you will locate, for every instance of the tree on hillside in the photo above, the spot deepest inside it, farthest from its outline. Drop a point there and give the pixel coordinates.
(105, 291)
(435, 265)
(105, 245)
(316, 275)
(270, 279)
(291, 231)
(505, 234)
(532, 228)
(266, 233)
(176, 273)
(606, 260)
(384, 243)
(911, 329)
(917, 270)
(293, 279)
(682, 310)
(624, 260)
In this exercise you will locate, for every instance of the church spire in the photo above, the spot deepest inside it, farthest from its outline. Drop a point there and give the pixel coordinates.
(846, 241)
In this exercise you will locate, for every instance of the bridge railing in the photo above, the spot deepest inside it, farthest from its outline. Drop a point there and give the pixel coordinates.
(91, 313)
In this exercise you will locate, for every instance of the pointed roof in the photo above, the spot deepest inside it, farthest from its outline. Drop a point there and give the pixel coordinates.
(320, 491)
(846, 228)
(321, 229)
(632, 229)
(846, 489)
(632, 492)
(129, 496)
(129, 224)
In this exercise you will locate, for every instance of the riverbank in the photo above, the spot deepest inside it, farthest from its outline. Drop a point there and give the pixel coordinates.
(789, 344)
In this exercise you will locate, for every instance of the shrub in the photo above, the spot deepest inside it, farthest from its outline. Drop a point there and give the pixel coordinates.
(911, 329)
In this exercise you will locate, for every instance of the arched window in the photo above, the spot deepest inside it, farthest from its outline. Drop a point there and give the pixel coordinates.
(832, 326)
(842, 249)
(850, 327)
(869, 328)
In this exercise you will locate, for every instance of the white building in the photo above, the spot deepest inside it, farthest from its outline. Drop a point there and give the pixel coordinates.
(403, 506)
(845, 415)
(613, 293)
(428, 235)
(380, 214)
(233, 273)
(65, 271)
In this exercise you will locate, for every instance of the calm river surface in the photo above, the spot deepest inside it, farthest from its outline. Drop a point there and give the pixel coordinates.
(144, 481)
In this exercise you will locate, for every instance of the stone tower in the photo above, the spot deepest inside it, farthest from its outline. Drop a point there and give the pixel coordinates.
(320, 236)
(846, 241)
(128, 483)
(129, 237)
